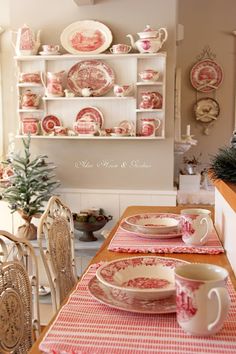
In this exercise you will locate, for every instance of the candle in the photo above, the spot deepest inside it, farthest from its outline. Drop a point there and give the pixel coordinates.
(188, 130)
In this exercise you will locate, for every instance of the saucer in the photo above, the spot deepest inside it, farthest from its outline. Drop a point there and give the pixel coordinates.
(49, 53)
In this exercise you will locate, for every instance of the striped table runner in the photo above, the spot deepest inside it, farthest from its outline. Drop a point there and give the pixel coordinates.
(84, 326)
(124, 241)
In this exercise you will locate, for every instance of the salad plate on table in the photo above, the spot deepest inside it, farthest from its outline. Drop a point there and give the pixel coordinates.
(117, 300)
(133, 231)
(155, 223)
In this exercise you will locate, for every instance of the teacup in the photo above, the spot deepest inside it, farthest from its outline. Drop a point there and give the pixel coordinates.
(122, 90)
(50, 48)
(202, 300)
(118, 130)
(60, 130)
(197, 226)
(149, 75)
(120, 49)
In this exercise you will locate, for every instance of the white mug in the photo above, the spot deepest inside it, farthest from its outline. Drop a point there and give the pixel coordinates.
(197, 226)
(202, 300)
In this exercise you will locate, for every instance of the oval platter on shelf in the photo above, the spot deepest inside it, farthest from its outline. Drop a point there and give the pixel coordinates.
(90, 114)
(87, 37)
(206, 75)
(93, 74)
(49, 122)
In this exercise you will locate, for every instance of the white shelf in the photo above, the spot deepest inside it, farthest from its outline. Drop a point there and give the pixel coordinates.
(30, 110)
(149, 83)
(56, 137)
(113, 109)
(90, 56)
(29, 84)
(148, 110)
(100, 98)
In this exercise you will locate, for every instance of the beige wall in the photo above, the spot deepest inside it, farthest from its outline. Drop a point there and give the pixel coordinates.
(208, 22)
(122, 17)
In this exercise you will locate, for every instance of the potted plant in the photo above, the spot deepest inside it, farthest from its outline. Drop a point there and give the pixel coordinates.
(190, 178)
(30, 185)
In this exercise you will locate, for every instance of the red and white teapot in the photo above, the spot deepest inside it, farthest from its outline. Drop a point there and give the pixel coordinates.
(26, 42)
(150, 41)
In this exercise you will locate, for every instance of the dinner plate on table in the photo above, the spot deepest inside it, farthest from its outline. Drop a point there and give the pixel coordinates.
(132, 230)
(118, 300)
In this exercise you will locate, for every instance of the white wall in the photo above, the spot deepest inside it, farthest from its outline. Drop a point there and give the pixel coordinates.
(122, 17)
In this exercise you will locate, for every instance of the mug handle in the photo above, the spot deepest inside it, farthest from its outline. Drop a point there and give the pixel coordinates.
(204, 238)
(223, 306)
(158, 123)
(111, 50)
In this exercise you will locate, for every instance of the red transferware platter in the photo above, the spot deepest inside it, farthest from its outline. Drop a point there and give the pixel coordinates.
(49, 122)
(206, 75)
(93, 74)
(135, 232)
(88, 37)
(90, 114)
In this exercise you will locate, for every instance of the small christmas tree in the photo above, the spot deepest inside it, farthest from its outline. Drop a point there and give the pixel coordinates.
(30, 186)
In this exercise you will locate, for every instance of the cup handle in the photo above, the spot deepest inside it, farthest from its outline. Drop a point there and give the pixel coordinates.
(158, 123)
(223, 306)
(111, 50)
(57, 47)
(204, 238)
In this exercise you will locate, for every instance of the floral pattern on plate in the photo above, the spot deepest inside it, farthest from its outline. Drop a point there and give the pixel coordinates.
(135, 232)
(49, 122)
(93, 74)
(206, 75)
(86, 37)
(90, 114)
(121, 300)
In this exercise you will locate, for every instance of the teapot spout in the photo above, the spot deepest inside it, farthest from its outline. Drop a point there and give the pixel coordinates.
(131, 40)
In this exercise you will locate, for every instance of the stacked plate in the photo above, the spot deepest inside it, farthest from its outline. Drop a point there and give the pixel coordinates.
(153, 225)
(137, 284)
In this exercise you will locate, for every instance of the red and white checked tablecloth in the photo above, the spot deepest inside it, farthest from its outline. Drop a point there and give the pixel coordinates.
(84, 326)
(124, 241)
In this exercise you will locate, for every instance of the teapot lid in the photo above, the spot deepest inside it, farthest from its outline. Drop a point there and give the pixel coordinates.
(148, 32)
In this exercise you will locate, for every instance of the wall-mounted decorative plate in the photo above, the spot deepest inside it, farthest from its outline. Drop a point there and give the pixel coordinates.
(87, 37)
(206, 75)
(206, 110)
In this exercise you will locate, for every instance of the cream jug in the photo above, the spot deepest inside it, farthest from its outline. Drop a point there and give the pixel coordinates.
(150, 41)
(26, 43)
(54, 84)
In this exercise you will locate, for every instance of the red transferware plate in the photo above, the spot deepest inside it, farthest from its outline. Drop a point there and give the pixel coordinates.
(93, 74)
(206, 75)
(49, 122)
(90, 114)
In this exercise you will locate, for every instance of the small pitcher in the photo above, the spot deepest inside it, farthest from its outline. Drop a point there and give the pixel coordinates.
(54, 84)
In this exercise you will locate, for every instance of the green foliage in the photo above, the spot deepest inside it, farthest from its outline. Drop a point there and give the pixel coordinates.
(223, 165)
(32, 183)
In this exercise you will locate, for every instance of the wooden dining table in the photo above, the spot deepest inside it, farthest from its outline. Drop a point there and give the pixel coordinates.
(104, 254)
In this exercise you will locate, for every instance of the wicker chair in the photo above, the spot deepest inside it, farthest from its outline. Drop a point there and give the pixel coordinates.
(57, 228)
(19, 297)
